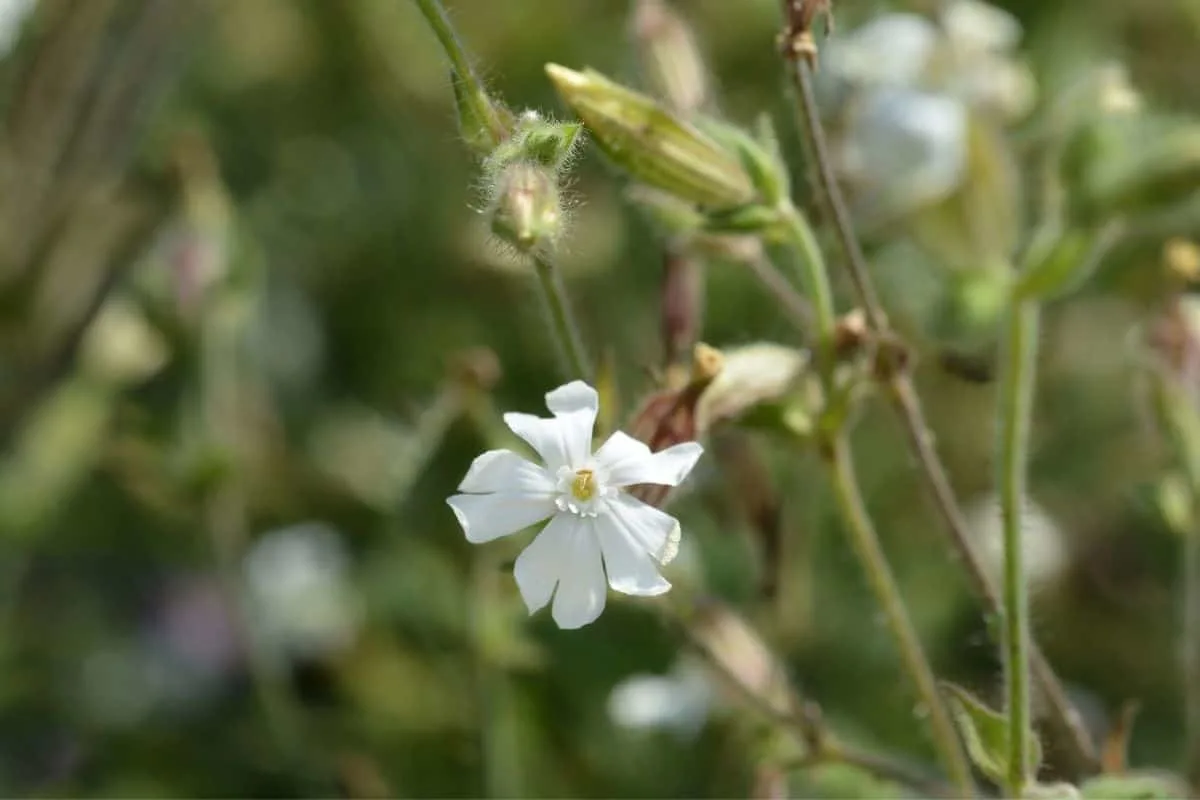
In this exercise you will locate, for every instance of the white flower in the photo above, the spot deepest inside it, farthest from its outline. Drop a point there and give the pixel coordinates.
(679, 701)
(299, 588)
(595, 528)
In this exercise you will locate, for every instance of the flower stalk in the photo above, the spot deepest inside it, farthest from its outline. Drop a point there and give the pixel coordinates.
(813, 273)
(1015, 414)
(485, 123)
(865, 541)
(562, 322)
(1063, 718)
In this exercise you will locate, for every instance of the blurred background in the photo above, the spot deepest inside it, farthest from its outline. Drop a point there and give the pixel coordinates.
(253, 329)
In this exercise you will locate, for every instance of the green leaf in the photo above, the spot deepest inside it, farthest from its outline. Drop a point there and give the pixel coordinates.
(1067, 264)
(1134, 786)
(985, 733)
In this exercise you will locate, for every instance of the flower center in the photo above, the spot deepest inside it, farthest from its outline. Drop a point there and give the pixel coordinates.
(581, 491)
(584, 485)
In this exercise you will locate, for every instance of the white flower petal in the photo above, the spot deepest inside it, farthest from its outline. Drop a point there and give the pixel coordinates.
(575, 396)
(631, 568)
(655, 531)
(566, 438)
(628, 465)
(620, 449)
(581, 587)
(484, 517)
(540, 565)
(505, 471)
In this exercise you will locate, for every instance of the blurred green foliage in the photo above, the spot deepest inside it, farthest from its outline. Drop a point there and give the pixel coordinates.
(289, 306)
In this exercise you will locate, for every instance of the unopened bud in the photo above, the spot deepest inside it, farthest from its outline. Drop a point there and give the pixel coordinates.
(851, 333)
(475, 369)
(527, 207)
(1182, 259)
(537, 141)
(750, 376)
(651, 144)
(120, 346)
(669, 56)
(707, 364)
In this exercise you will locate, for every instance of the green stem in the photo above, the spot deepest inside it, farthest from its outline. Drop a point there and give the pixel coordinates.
(801, 717)
(879, 575)
(862, 532)
(1063, 719)
(473, 92)
(439, 21)
(558, 310)
(813, 272)
(1191, 650)
(1015, 414)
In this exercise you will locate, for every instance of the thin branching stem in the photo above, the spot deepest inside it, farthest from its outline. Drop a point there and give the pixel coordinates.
(879, 575)
(562, 321)
(1015, 415)
(823, 746)
(1064, 720)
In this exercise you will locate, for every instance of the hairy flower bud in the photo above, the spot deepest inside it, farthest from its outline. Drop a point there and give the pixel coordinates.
(526, 209)
(652, 144)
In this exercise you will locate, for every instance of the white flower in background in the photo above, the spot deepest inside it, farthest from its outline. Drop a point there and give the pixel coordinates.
(908, 88)
(13, 14)
(596, 528)
(679, 701)
(916, 139)
(300, 593)
(1043, 541)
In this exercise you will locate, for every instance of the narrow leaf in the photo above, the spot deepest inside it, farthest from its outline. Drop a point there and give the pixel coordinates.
(985, 733)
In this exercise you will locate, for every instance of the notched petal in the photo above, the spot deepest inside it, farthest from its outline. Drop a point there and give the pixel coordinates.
(541, 564)
(631, 570)
(657, 532)
(582, 588)
(666, 468)
(574, 396)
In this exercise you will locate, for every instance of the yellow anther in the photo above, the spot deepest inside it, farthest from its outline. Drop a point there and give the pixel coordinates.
(584, 485)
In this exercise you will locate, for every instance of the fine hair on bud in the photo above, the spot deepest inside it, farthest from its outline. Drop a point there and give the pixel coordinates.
(526, 209)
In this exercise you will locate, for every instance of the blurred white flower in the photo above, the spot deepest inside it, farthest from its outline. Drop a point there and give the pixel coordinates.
(908, 89)
(595, 528)
(13, 14)
(980, 27)
(299, 590)
(891, 49)
(1045, 551)
(917, 139)
(679, 701)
